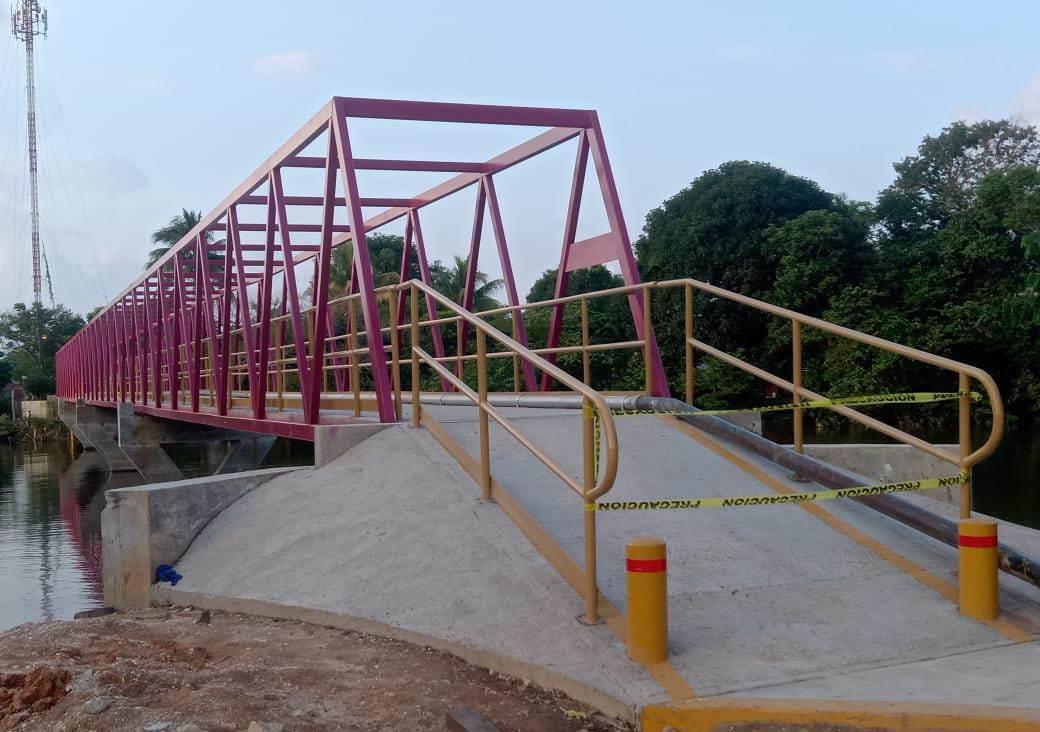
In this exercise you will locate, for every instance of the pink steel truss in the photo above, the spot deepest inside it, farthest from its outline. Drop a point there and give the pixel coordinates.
(178, 321)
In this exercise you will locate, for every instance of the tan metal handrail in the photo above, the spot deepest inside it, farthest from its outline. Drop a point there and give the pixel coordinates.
(592, 486)
(966, 373)
(354, 351)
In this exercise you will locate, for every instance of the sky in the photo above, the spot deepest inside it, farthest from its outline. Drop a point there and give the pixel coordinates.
(146, 108)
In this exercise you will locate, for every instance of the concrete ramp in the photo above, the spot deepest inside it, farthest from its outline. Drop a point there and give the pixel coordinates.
(394, 533)
(814, 600)
(765, 596)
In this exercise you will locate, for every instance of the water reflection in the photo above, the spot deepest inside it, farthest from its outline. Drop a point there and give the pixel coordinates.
(50, 521)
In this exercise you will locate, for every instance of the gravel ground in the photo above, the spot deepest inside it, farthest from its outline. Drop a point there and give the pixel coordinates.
(169, 670)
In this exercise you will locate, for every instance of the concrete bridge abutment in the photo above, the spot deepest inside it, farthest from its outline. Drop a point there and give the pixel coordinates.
(146, 526)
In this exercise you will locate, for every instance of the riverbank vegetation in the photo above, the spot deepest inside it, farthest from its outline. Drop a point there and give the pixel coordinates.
(32, 432)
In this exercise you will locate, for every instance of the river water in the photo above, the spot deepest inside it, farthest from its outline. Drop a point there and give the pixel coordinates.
(51, 502)
(50, 522)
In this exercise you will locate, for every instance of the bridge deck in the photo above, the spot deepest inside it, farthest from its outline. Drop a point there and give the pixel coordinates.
(285, 417)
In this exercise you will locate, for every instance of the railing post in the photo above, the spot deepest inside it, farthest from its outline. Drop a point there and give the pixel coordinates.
(325, 368)
(648, 349)
(395, 355)
(459, 367)
(230, 360)
(586, 370)
(482, 385)
(280, 367)
(355, 357)
(689, 346)
(964, 429)
(516, 357)
(796, 379)
(211, 361)
(588, 442)
(414, 340)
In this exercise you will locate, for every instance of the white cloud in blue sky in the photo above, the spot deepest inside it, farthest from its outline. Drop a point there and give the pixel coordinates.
(1027, 102)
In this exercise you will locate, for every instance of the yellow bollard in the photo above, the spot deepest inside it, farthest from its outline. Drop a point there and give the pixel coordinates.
(977, 550)
(646, 570)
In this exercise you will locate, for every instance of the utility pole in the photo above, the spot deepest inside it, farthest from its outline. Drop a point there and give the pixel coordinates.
(28, 21)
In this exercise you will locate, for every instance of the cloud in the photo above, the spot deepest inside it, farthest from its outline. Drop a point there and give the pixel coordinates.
(1027, 102)
(291, 63)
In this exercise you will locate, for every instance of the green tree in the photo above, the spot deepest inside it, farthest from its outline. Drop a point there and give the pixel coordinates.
(610, 321)
(580, 281)
(178, 227)
(943, 177)
(714, 228)
(32, 336)
(384, 252)
(961, 291)
(1019, 190)
(746, 227)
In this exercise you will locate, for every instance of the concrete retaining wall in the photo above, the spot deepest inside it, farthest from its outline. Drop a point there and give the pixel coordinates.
(40, 409)
(145, 526)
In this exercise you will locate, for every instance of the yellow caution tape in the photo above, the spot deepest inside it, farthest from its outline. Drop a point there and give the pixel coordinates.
(912, 397)
(915, 397)
(777, 499)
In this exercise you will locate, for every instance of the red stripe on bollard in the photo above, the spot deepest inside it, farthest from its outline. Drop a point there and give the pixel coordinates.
(645, 565)
(977, 542)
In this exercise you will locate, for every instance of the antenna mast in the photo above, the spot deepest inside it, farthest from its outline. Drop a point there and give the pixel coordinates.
(28, 21)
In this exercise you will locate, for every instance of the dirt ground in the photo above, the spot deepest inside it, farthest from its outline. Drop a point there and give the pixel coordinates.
(164, 671)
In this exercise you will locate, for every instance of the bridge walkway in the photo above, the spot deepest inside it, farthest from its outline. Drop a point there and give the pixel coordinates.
(763, 596)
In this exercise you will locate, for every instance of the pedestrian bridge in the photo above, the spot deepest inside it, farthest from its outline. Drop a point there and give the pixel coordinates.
(832, 601)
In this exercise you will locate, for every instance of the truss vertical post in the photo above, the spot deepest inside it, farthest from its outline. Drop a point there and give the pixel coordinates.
(627, 260)
(369, 308)
(471, 271)
(256, 392)
(507, 272)
(264, 302)
(413, 228)
(300, 342)
(321, 281)
(225, 331)
(570, 229)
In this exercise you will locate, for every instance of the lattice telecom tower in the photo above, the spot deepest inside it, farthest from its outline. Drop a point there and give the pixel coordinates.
(28, 21)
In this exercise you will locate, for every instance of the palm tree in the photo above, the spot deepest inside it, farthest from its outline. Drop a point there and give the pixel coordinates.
(384, 253)
(450, 281)
(172, 233)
